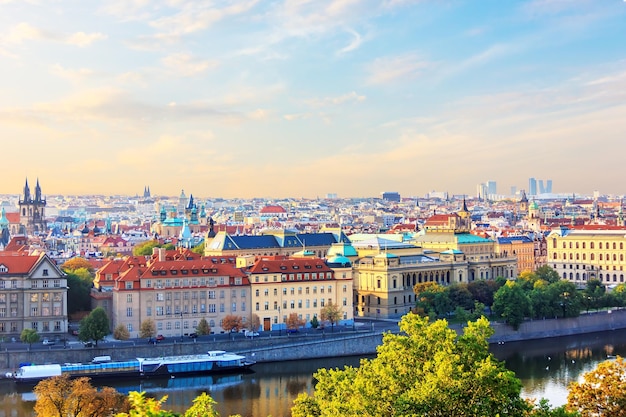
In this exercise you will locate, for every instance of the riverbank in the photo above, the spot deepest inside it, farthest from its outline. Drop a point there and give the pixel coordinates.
(300, 347)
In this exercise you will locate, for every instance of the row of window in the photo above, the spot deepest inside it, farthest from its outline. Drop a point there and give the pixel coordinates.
(575, 245)
(296, 277)
(211, 295)
(36, 311)
(291, 304)
(45, 326)
(292, 290)
(176, 325)
(592, 257)
(601, 277)
(194, 282)
(45, 297)
(195, 309)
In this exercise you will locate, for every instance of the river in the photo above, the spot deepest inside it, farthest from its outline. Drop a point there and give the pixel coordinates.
(545, 367)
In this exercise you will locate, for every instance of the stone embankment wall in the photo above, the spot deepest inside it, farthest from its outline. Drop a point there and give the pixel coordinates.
(302, 347)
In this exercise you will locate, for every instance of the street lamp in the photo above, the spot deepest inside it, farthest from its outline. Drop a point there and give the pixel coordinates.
(181, 325)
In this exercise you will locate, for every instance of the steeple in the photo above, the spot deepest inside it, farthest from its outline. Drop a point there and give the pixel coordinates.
(26, 192)
(37, 192)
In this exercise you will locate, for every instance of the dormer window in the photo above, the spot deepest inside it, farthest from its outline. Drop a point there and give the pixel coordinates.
(3, 268)
(174, 272)
(194, 271)
(296, 267)
(184, 271)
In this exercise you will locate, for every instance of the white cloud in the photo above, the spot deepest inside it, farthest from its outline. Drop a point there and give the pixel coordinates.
(344, 98)
(357, 40)
(71, 74)
(197, 16)
(24, 32)
(83, 39)
(186, 65)
(397, 68)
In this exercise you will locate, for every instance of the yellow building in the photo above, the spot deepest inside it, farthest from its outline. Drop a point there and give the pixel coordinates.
(302, 284)
(588, 252)
(521, 247)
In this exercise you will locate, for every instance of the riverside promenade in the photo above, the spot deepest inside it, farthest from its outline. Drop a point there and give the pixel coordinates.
(340, 342)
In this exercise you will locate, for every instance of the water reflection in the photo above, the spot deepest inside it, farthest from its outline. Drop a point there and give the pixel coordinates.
(546, 367)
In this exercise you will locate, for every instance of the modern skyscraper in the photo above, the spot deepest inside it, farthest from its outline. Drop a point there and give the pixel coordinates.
(541, 187)
(549, 186)
(492, 188)
(532, 186)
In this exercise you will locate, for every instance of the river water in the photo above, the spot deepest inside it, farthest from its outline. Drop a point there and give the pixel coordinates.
(545, 367)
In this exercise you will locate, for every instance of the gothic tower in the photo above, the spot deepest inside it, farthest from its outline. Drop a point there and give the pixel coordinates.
(32, 210)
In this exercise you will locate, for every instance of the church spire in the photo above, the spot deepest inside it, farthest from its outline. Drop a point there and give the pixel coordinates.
(38, 192)
(26, 191)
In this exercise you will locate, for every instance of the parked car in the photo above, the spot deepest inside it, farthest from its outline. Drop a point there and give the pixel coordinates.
(291, 331)
(160, 338)
(250, 333)
(193, 335)
(47, 341)
(88, 344)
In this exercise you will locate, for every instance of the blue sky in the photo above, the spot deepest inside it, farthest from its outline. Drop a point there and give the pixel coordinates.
(302, 98)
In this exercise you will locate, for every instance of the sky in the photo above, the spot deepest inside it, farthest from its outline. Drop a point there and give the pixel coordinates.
(302, 98)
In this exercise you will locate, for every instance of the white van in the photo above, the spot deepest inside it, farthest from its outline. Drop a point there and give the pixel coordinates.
(101, 359)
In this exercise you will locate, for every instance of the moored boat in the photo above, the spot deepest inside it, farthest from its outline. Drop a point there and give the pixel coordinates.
(214, 361)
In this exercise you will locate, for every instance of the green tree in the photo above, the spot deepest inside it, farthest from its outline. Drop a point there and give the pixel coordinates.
(593, 294)
(199, 249)
(142, 406)
(548, 274)
(569, 298)
(203, 327)
(78, 298)
(483, 291)
(315, 322)
(145, 248)
(121, 332)
(426, 370)
(94, 327)
(460, 296)
(203, 406)
(147, 328)
(602, 391)
(331, 313)
(29, 336)
(512, 304)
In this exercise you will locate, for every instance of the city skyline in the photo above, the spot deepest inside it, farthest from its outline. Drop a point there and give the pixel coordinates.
(301, 99)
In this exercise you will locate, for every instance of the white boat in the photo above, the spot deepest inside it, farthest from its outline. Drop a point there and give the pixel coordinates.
(214, 361)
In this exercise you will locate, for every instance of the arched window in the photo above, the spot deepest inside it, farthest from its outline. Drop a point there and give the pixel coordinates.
(591, 256)
(590, 245)
(600, 245)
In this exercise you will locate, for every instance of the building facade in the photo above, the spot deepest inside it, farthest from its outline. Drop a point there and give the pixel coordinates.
(32, 211)
(33, 295)
(588, 252)
(302, 284)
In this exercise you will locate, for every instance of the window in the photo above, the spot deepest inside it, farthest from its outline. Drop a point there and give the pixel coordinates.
(159, 296)
(34, 312)
(129, 312)
(57, 283)
(212, 308)
(211, 295)
(148, 311)
(45, 271)
(129, 298)
(129, 285)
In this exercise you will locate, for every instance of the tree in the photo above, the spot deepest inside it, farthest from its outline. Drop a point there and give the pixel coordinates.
(147, 328)
(203, 327)
(548, 274)
(142, 406)
(77, 263)
(232, 323)
(512, 304)
(483, 291)
(460, 296)
(331, 313)
(254, 323)
(29, 336)
(602, 391)
(199, 249)
(94, 327)
(203, 406)
(78, 298)
(145, 248)
(121, 332)
(593, 293)
(314, 322)
(294, 322)
(61, 396)
(425, 370)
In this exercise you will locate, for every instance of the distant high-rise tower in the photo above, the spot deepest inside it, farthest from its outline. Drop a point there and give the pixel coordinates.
(541, 187)
(532, 186)
(391, 196)
(32, 210)
(513, 190)
(549, 186)
(492, 189)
